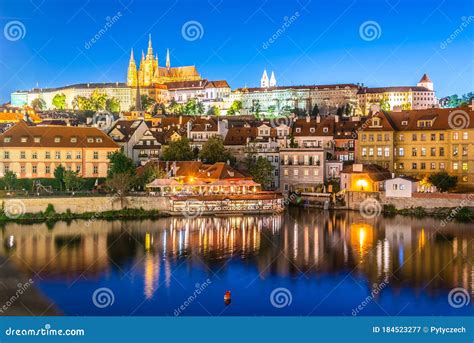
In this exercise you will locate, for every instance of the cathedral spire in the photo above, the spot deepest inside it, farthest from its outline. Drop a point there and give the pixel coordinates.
(149, 54)
(273, 81)
(132, 71)
(168, 63)
(264, 79)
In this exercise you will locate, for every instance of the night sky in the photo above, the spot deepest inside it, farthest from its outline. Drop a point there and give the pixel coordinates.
(323, 42)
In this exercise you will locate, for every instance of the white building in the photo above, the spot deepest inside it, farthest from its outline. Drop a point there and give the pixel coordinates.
(401, 187)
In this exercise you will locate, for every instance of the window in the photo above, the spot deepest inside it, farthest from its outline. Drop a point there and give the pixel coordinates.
(371, 152)
(464, 167)
(413, 137)
(387, 137)
(379, 152)
(433, 136)
(47, 170)
(413, 152)
(433, 151)
(91, 140)
(379, 137)
(441, 136)
(305, 172)
(7, 139)
(57, 139)
(465, 135)
(58, 155)
(73, 139)
(364, 137)
(455, 151)
(315, 172)
(78, 155)
(34, 169)
(423, 165)
(37, 139)
(285, 172)
(6, 169)
(47, 155)
(22, 169)
(455, 165)
(364, 152)
(68, 155)
(464, 150)
(441, 152)
(423, 137)
(387, 152)
(423, 151)
(6, 155)
(95, 170)
(401, 152)
(96, 155)
(441, 166)
(433, 165)
(98, 140)
(34, 155)
(295, 172)
(78, 168)
(401, 137)
(24, 139)
(22, 155)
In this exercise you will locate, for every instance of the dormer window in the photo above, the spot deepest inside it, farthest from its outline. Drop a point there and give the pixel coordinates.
(57, 139)
(325, 129)
(7, 139)
(24, 139)
(37, 139)
(375, 122)
(98, 140)
(73, 139)
(404, 122)
(90, 140)
(311, 130)
(298, 130)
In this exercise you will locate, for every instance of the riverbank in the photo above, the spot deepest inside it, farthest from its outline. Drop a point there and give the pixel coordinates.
(19, 295)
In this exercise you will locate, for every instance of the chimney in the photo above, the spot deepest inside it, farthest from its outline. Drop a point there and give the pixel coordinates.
(180, 120)
(318, 119)
(336, 118)
(308, 118)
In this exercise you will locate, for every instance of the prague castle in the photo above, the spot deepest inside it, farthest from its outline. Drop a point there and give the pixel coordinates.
(149, 72)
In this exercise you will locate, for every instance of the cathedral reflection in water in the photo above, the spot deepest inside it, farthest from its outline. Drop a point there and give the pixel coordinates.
(403, 250)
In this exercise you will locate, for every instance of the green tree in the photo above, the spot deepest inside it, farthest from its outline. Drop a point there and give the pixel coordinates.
(59, 101)
(384, 105)
(175, 108)
(179, 150)
(261, 170)
(120, 184)
(71, 181)
(82, 103)
(214, 111)
(271, 109)
(293, 144)
(121, 164)
(38, 104)
(59, 176)
(443, 181)
(148, 102)
(10, 180)
(315, 110)
(235, 107)
(151, 172)
(98, 100)
(112, 105)
(214, 151)
(193, 107)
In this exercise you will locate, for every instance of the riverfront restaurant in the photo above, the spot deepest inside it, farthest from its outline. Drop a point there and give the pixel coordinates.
(195, 187)
(195, 178)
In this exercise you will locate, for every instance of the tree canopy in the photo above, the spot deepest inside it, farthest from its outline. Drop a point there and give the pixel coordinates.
(120, 163)
(260, 168)
(59, 101)
(178, 150)
(38, 104)
(443, 181)
(214, 151)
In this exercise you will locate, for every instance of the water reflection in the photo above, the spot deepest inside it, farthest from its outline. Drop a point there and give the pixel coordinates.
(405, 251)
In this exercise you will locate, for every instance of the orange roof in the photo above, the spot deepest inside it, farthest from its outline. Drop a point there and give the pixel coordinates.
(28, 136)
(16, 117)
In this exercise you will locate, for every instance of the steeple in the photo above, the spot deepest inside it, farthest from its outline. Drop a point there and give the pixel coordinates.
(273, 81)
(149, 53)
(426, 82)
(132, 71)
(138, 100)
(264, 79)
(168, 63)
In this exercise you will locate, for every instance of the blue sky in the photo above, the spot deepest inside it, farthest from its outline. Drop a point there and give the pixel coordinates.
(321, 45)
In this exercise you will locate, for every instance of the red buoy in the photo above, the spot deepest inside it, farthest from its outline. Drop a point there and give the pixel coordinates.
(227, 297)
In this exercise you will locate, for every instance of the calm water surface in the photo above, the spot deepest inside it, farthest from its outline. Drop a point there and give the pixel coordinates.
(330, 263)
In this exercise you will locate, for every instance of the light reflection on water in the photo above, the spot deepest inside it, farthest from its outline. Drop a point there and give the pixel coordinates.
(316, 255)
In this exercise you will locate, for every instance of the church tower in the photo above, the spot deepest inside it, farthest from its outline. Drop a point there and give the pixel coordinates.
(132, 74)
(168, 62)
(426, 82)
(148, 68)
(264, 80)
(273, 81)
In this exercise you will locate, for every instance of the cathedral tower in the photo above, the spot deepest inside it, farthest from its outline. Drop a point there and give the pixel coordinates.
(273, 81)
(264, 80)
(132, 75)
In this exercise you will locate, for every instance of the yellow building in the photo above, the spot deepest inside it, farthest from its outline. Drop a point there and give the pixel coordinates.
(149, 73)
(18, 114)
(35, 151)
(419, 143)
